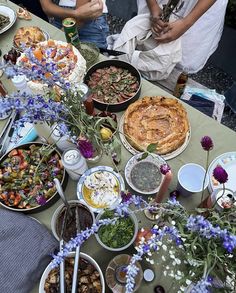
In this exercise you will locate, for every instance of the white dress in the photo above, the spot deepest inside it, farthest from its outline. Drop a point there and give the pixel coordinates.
(201, 40)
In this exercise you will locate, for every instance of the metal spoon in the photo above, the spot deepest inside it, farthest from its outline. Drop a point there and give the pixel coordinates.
(61, 193)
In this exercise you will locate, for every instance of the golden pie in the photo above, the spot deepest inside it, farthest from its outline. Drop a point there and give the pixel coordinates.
(157, 120)
(28, 36)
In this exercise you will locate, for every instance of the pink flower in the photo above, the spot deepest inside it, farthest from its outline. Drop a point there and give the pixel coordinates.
(207, 143)
(220, 174)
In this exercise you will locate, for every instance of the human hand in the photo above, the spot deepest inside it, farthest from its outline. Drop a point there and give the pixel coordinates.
(172, 31)
(158, 26)
(90, 10)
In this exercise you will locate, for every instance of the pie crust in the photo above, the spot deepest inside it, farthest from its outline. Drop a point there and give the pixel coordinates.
(157, 120)
(28, 36)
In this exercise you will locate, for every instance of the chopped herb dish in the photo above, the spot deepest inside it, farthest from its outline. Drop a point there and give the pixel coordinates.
(26, 176)
(116, 235)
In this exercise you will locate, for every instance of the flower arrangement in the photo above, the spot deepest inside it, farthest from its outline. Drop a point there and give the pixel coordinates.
(62, 104)
(200, 250)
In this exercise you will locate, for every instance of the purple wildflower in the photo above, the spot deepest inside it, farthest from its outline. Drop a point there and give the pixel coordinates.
(201, 286)
(164, 168)
(207, 143)
(220, 174)
(86, 148)
(175, 193)
(126, 196)
(41, 200)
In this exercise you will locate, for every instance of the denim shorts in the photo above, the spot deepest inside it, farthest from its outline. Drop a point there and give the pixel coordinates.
(94, 31)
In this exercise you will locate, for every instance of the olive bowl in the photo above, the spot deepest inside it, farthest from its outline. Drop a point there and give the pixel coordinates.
(83, 256)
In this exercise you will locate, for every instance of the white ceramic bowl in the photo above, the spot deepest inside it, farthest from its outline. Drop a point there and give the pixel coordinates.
(58, 210)
(135, 221)
(72, 254)
(134, 161)
(80, 187)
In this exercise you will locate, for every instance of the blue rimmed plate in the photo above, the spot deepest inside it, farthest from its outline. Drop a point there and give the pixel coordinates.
(100, 188)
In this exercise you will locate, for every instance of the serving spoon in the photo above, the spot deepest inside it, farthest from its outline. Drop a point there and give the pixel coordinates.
(62, 195)
(67, 212)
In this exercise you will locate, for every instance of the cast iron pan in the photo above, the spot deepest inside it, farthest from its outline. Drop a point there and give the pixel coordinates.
(117, 107)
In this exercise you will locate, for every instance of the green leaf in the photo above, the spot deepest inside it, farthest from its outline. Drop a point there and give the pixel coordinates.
(152, 147)
(144, 156)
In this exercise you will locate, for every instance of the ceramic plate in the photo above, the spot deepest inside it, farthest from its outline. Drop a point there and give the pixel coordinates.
(134, 151)
(7, 11)
(115, 273)
(92, 171)
(134, 161)
(228, 162)
(72, 254)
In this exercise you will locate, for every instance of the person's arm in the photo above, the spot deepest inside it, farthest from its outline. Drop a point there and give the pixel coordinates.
(179, 27)
(89, 10)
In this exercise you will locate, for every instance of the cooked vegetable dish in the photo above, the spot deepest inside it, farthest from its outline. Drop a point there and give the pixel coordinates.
(112, 85)
(88, 278)
(26, 176)
(4, 21)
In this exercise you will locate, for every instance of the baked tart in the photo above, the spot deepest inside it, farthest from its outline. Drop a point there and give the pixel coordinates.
(28, 36)
(157, 120)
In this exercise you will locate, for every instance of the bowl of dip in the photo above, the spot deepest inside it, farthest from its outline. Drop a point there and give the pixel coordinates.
(144, 175)
(86, 220)
(100, 188)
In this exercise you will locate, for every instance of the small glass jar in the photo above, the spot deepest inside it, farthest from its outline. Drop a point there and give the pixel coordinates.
(220, 199)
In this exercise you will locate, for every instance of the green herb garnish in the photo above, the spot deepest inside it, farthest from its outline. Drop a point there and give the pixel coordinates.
(118, 234)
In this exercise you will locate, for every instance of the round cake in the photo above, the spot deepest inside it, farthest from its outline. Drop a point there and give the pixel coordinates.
(158, 120)
(70, 63)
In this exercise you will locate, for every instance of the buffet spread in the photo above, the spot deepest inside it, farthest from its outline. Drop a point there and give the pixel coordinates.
(146, 131)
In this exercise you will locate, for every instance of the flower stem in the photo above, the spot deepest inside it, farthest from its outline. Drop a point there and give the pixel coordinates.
(204, 180)
(220, 196)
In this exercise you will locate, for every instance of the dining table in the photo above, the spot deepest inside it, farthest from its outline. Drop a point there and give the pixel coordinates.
(200, 125)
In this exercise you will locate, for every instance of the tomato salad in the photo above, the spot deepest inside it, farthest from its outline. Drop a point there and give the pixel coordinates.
(26, 176)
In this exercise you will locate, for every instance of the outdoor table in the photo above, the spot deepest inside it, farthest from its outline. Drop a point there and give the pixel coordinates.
(223, 137)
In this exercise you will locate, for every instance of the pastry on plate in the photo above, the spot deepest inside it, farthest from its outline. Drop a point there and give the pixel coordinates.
(157, 120)
(28, 36)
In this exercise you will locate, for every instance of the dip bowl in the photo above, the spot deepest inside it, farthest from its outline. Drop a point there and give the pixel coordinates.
(143, 175)
(86, 218)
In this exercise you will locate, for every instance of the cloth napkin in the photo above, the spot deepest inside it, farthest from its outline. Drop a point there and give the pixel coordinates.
(25, 247)
(201, 104)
